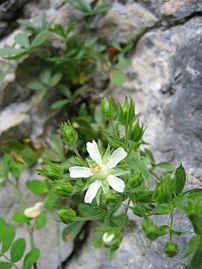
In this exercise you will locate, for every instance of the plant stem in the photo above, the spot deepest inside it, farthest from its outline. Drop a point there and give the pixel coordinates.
(23, 206)
(171, 225)
(6, 258)
(124, 216)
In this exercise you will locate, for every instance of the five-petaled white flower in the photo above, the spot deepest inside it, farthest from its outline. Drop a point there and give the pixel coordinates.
(34, 211)
(101, 169)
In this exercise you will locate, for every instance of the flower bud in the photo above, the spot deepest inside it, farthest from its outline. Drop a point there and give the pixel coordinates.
(127, 112)
(69, 134)
(171, 249)
(108, 108)
(67, 215)
(53, 171)
(34, 211)
(64, 189)
(136, 131)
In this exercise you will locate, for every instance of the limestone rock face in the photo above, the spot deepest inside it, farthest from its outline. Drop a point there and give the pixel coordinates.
(123, 22)
(165, 79)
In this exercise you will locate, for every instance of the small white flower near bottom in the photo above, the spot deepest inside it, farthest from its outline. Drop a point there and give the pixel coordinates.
(34, 211)
(101, 169)
(107, 239)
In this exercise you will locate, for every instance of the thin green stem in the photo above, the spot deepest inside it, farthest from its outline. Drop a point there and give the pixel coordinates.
(125, 214)
(77, 153)
(171, 225)
(23, 206)
(6, 258)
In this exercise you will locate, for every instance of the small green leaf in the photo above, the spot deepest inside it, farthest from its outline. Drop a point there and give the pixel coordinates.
(59, 104)
(72, 230)
(36, 85)
(2, 228)
(45, 76)
(166, 166)
(8, 52)
(180, 177)
(5, 265)
(8, 238)
(117, 77)
(31, 258)
(22, 40)
(192, 246)
(19, 217)
(41, 221)
(50, 200)
(55, 79)
(39, 39)
(196, 260)
(37, 186)
(18, 249)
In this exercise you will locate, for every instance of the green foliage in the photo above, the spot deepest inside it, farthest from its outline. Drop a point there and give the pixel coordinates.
(89, 10)
(14, 250)
(69, 69)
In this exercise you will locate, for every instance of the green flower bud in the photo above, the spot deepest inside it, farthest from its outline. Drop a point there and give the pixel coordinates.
(127, 112)
(136, 131)
(62, 188)
(69, 134)
(134, 181)
(67, 215)
(52, 171)
(108, 108)
(171, 249)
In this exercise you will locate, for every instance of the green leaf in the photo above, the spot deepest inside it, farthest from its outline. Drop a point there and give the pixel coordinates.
(123, 63)
(2, 228)
(39, 39)
(90, 213)
(45, 76)
(18, 249)
(41, 221)
(192, 246)
(196, 260)
(8, 52)
(38, 186)
(22, 40)
(19, 217)
(55, 79)
(180, 177)
(72, 231)
(31, 258)
(36, 85)
(50, 200)
(26, 23)
(5, 265)
(8, 238)
(167, 166)
(59, 104)
(117, 77)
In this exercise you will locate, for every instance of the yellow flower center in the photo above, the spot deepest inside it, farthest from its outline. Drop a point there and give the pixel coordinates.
(100, 171)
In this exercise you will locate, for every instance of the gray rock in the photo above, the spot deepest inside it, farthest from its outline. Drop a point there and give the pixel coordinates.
(15, 121)
(173, 9)
(123, 22)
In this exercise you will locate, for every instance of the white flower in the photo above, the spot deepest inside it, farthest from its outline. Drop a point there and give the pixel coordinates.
(107, 239)
(34, 211)
(101, 169)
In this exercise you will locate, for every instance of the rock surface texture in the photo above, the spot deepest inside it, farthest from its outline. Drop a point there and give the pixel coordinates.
(165, 79)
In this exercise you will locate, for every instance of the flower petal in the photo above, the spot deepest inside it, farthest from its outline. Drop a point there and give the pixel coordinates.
(117, 156)
(80, 172)
(116, 183)
(34, 211)
(92, 191)
(94, 152)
